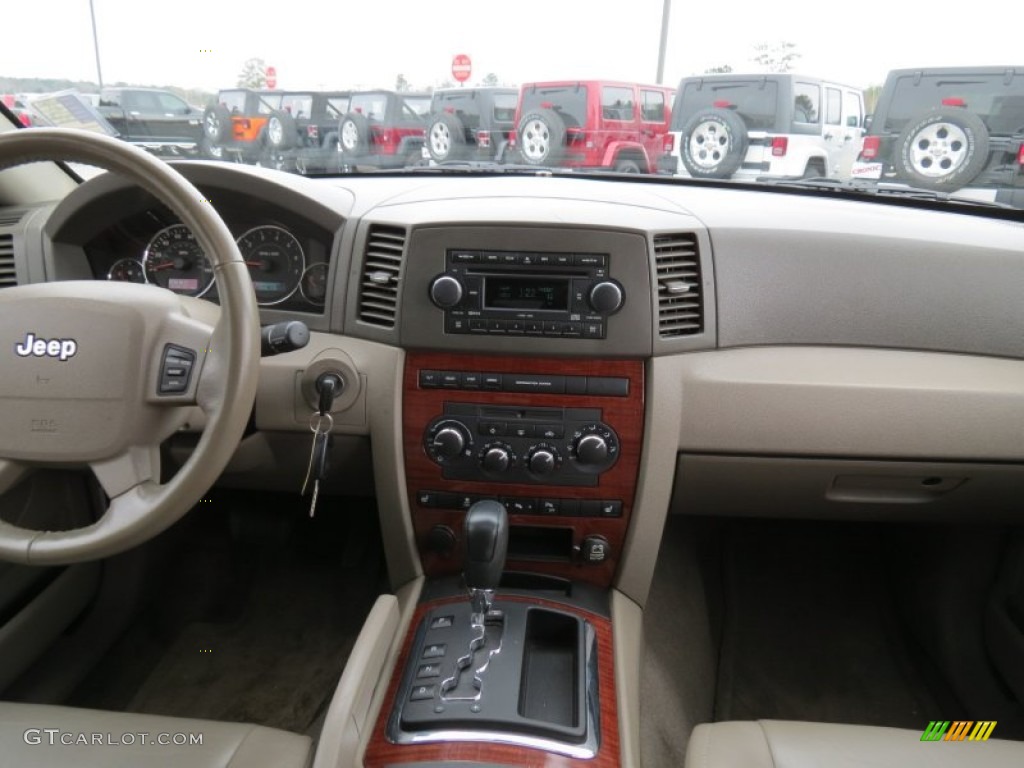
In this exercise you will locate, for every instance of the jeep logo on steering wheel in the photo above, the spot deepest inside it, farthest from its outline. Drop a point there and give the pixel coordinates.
(62, 349)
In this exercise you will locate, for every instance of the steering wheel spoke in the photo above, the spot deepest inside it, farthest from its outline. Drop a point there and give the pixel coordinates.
(11, 473)
(133, 467)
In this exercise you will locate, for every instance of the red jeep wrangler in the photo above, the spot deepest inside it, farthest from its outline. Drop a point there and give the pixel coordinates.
(593, 124)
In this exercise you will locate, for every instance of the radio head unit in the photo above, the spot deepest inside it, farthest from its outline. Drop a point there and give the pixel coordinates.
(526, 293)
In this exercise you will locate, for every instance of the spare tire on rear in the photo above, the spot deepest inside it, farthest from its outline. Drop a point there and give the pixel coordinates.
(713, 144)
(446, 138)
(217, 124)
(541, 137)
(281, 130)
(943, 149)
(354, 134)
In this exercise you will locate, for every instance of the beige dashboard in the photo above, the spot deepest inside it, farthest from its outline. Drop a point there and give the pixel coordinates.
(852, 359)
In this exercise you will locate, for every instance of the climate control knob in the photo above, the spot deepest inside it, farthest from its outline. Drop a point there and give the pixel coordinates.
(543, 459)
(446, 291)
(592, 449)
(606, 297)
(497, 457)
(595, 448)
(447, 440)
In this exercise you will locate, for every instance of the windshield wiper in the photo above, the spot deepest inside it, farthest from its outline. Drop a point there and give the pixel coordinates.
(881, 189)
(488, 166)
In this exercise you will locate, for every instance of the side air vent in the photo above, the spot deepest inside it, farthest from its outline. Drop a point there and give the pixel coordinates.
(382, 271)
(680, 300)
(11, 216)
(8, 274)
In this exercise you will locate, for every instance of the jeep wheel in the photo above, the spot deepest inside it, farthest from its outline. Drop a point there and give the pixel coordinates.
(714, 143)
(210, 150)
(541, 137)
(217, 124)
(942, 149)
(354, 134)
(627, 165)
(446, 138)
(281, 131)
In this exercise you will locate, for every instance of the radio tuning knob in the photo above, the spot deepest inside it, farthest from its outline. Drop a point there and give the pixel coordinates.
(446, 291)
(606, 297)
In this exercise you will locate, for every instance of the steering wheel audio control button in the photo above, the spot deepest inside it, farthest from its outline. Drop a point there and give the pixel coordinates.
(176, 370)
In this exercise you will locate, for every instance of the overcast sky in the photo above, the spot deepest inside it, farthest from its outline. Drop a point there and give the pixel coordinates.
(346, 43)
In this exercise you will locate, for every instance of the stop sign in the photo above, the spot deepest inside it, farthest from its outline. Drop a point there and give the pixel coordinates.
(271, 77)
(461, 67)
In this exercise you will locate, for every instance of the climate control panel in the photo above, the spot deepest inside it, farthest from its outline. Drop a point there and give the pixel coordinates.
(512, 444)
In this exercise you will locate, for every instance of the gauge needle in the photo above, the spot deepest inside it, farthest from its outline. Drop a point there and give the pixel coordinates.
(165, 265)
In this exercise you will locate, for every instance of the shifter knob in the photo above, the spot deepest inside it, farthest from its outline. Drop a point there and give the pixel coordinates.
(486, 535)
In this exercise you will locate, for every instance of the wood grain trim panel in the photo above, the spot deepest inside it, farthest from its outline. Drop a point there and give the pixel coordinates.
(624, 414)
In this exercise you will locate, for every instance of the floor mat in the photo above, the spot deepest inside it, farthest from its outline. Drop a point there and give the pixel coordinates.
(810, 632)
(256, 620)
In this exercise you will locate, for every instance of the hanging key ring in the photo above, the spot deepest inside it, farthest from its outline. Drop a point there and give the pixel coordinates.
(316, 422)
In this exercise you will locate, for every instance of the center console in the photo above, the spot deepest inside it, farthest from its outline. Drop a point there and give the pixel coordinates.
(521, 470)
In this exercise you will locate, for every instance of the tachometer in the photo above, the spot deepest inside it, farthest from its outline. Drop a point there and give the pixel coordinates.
(175, 260)
(127, 271)
(275, 260)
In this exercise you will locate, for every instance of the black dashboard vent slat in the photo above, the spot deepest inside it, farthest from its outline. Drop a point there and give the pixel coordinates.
(381, 276)
(8, 273)
(680, 295)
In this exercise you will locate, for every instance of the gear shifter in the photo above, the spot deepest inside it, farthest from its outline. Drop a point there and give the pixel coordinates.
(486, 535)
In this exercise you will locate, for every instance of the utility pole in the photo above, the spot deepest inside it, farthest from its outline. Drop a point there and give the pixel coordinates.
(96, 44)
(664, 41)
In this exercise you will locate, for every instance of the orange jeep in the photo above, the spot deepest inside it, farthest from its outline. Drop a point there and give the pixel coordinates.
(237, 121)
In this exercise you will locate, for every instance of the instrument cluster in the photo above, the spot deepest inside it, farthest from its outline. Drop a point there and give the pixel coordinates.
(173, 259)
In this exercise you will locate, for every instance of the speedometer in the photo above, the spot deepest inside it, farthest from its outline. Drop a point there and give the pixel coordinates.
(275, 260)
(175, 260)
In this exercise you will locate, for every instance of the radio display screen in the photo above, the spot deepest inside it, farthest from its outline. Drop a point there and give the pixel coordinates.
(536, 293)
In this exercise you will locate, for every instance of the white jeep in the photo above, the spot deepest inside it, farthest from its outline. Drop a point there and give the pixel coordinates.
(735, 126)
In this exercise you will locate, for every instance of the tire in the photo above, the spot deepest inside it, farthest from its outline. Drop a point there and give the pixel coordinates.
(209, 150)
(541, 136)
(943, 149)
(714, 143)
(627, 165)
(354, 135)
(217, 124)
(446, 138)
(281, 130)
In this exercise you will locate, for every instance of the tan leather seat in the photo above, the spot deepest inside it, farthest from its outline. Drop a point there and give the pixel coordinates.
(785, 744)
(37, 736)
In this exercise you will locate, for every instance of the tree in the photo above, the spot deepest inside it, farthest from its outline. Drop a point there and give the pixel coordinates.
(254, 74)
(724, 69)
(776, 57)
(491, 79)
(401, 84)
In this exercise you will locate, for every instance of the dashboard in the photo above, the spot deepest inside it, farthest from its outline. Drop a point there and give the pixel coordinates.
(598, 353)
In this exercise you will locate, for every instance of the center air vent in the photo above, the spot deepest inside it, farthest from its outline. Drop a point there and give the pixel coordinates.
(680, 299)
(8, 274)
(382, 271)
(11, 216)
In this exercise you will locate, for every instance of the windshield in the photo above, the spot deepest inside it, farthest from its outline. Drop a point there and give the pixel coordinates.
(327, 89)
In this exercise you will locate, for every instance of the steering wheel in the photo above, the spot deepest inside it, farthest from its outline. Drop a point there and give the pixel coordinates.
(97, 374)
